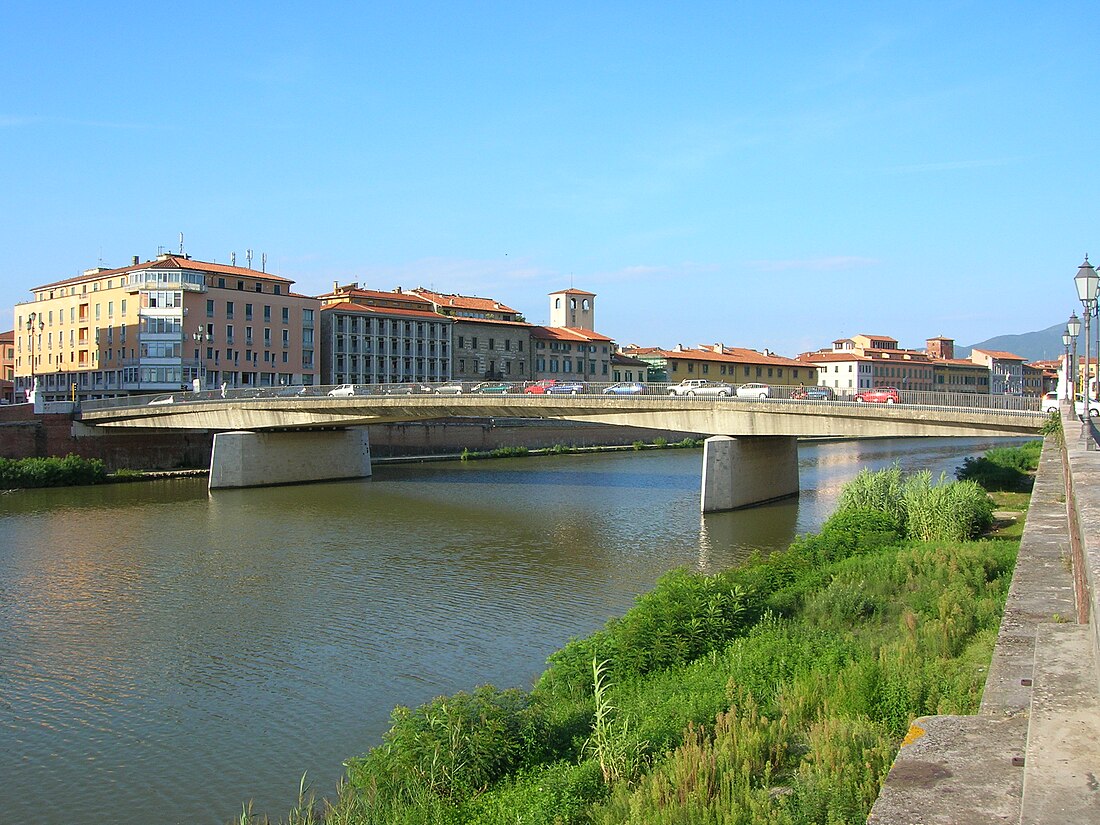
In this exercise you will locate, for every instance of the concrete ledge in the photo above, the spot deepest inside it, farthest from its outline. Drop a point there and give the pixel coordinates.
(970, 769)
(1062, 772)
(955, 770)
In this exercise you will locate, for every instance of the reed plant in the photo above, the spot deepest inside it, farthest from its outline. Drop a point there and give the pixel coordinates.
(71, 470)
(776, 692)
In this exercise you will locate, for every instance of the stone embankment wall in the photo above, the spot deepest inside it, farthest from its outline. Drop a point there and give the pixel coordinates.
(1032, 753)
(24, 434)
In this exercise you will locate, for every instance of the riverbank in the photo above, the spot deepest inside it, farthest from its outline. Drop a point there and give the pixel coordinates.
(778, 690)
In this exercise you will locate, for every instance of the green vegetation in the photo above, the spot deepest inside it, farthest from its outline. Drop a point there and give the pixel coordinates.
(1004, 468)
(51, 472)
(775, 692)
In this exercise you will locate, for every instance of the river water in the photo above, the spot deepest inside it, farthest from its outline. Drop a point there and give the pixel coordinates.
(166, 654)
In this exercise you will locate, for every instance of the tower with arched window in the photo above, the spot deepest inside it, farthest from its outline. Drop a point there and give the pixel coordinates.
(573, 308)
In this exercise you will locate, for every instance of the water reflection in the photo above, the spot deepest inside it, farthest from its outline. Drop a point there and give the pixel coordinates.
(166, 654)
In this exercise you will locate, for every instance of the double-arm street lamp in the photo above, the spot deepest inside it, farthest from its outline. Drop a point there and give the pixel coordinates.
(1067, 391)
(1073, 329)
(32, 328)
(1086, 280)
(201, 338)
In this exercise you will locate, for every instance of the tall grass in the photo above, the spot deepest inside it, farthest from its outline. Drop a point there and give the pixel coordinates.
(776, 692)
(51, 472)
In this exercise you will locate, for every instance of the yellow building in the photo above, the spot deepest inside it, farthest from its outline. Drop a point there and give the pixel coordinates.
(717, 362)
(168, 324)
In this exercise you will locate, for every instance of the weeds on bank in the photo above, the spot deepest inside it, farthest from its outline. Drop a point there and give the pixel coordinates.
(776, 692)
(51, 472)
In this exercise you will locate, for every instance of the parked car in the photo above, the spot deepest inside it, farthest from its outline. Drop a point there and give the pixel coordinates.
(700, 386)
(880, 395)
(754, 391)
(163, 399)
(451, 389)
(345, 390)
(539, 387)
(814, 393)
(625, 388)
(491, 388)
(406, 389)
(567, 388)
(1052, 403)
(293, 392)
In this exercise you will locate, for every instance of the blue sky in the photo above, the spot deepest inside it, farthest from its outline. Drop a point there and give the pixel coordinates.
(772, 174)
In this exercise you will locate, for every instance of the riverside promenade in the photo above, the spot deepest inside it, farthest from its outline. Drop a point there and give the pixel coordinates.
(1032, 752)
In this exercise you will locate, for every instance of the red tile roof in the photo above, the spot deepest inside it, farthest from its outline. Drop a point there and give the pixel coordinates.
(1000, 355)
(169, 262)
(469, 302)
(572, 291)
(350, 306)
(566, 334)
(728, 355)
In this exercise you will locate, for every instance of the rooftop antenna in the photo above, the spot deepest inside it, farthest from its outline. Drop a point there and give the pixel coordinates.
(232, 258)
(263, 262)
(181, 243)
(248, 257)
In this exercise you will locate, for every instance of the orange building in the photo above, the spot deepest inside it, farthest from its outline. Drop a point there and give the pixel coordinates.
(170, 323)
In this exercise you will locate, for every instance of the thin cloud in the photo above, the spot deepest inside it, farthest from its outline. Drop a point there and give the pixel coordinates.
(949, 166)
(828, 264)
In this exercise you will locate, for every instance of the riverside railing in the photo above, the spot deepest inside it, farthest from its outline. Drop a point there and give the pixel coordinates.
(1009, 405)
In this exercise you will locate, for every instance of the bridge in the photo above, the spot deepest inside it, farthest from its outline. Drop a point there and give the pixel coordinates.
(294, 435)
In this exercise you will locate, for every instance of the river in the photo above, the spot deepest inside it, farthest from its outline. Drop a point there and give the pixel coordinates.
(166, 654)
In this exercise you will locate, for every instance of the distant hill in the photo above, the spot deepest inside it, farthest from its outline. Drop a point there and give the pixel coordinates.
(1042, 345)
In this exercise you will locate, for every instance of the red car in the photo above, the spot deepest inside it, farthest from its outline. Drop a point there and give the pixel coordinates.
(540, 387)
(880, 395)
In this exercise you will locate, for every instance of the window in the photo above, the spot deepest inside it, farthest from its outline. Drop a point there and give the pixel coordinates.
(461, 341)
(267, 314)
(248, 312)
(286, 315)
(228, 309)
(210, 308)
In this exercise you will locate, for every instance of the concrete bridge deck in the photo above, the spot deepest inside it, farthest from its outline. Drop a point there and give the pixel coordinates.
(709, 416)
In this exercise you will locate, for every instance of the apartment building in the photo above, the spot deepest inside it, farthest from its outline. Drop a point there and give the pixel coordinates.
(7, 367)
(377, 337)
(492, 341)
(1006, 370)
(165, 324)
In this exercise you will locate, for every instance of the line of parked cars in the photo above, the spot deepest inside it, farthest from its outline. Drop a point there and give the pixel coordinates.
(691, 387)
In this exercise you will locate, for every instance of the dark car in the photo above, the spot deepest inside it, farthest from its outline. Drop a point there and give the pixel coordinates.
(406, 389)
(568, 388)
(814, 393)
(491, 388)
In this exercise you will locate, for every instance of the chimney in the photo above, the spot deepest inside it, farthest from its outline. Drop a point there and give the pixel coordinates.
(335, 286)
(134, 260)
(397, 290)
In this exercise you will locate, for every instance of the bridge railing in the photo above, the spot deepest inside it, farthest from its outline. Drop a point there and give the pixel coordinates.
(795, 394)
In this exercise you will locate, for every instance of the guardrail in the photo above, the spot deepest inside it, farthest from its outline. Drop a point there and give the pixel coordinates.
(1008, 405)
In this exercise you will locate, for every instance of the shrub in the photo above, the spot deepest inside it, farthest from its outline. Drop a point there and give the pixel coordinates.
(452, 746)
(51, 472)
(1003, 468)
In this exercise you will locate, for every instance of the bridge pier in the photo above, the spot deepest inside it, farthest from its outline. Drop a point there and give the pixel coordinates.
(261, 459)
(741, 472)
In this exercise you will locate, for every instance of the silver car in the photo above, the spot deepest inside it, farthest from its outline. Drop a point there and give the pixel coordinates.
(700, 386)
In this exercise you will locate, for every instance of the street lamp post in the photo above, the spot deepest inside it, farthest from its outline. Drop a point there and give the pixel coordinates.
(1067, 391)
(1073, 327)
(1086, 281)
(201, 338)
(30, 335)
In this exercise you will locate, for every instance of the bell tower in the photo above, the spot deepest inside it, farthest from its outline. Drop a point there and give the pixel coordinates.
(573, 308)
